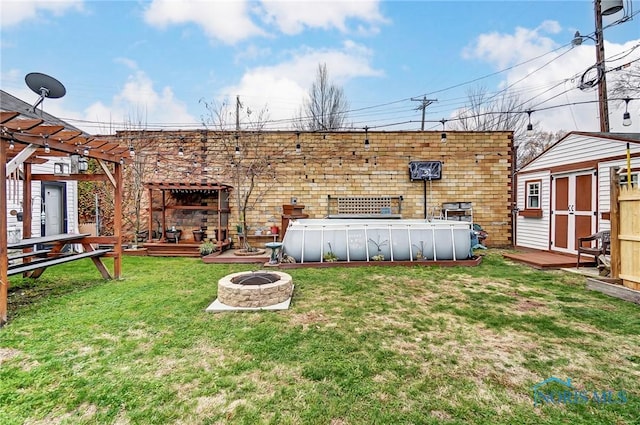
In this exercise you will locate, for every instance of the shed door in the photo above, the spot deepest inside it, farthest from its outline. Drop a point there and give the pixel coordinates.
(573, 210)
(54, 208)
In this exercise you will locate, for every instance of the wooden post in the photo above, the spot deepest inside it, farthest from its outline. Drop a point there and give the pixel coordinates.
(4, 260)
(150, 211)
(117, 220)
(614, 208)
(27, 203)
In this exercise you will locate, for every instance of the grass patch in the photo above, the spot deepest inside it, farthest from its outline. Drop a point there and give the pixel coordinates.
(383, 345)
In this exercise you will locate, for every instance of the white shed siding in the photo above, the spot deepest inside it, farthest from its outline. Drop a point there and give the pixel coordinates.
(534, 232)
(578, 148)
(568, 153)
(15, 203)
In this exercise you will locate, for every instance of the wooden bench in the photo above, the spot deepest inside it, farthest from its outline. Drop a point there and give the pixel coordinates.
(36, 253)
(55, 256)
(364, 207)
(52, 261)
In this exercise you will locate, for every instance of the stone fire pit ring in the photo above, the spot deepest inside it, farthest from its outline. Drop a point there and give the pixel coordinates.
(261, 289)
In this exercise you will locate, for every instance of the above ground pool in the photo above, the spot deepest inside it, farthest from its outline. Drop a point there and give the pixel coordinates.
(311, 240)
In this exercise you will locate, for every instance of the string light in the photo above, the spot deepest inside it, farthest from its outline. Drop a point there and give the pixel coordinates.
(298, 147)
(180, 151)
(443, 136)
(366, 138)
(626, 117)
(529, 126)
(46, 147)
(11, 145)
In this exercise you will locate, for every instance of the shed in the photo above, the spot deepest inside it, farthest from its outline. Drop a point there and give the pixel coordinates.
(564, 193)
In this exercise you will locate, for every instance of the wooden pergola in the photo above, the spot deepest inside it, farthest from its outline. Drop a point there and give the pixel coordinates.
(28, 140)
(219, 208)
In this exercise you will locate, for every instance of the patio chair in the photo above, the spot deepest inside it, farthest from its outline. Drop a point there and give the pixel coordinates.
(602, 246)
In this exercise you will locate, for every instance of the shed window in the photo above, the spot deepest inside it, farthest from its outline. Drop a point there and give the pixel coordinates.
(533, 195)
(634, 179)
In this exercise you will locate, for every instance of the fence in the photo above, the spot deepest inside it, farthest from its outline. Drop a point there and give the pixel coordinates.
(629, 236)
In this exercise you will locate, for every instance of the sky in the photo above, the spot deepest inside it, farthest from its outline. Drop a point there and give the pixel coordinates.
(155, 64)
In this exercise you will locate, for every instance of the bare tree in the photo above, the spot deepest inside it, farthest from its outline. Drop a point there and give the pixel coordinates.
(627, 82)
(503, 112)
(534, 145)
(491, 113)
(326, 106)
(240, 149)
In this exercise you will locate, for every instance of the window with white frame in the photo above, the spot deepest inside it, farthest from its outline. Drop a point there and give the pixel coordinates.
(623, 179)
(533, 195)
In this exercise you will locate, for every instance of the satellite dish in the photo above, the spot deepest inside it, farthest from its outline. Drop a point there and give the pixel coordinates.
(45, 86)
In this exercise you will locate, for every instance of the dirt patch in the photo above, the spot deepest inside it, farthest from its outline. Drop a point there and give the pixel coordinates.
(524, 305)
(440, 415)
(308, 319)
(7, 354)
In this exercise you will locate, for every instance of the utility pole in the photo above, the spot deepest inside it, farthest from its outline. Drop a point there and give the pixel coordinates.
(238, 106)
(603, 103)
(424, 102)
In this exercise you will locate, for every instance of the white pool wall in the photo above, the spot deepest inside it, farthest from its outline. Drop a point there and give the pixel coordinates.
(307, 240)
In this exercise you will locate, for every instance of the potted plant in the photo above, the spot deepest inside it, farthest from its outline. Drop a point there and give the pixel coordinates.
(173, 234)
(198, 235)
(206, 248)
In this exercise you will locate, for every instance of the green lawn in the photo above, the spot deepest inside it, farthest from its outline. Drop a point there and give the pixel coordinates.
(366, 345)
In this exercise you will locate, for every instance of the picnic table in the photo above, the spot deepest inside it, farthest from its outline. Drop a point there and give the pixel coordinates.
(45, 251)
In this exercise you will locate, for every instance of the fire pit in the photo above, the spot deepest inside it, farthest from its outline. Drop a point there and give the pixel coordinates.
(255, 289)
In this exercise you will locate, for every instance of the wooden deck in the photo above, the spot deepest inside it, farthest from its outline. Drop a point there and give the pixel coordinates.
(170, 249)
(549, 260)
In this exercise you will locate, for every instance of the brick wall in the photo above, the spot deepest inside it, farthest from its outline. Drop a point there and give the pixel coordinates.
(477, 168)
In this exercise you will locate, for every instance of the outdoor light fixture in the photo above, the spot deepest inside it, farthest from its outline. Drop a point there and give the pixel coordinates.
(626, 117)
(83, 164)
(443, 136)
(46, 147)
(298, 147)
(609, 7)
(180, 151)
(529, 126)
(366, 138)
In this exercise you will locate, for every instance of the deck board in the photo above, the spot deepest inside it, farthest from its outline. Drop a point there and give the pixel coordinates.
(548, 260)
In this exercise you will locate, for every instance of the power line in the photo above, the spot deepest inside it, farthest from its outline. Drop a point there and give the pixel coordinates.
(424, 102)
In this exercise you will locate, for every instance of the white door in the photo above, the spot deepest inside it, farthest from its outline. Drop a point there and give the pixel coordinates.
(54, 209)
(573, 209)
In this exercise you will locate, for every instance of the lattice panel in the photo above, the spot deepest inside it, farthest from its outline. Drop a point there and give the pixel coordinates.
(364, 205)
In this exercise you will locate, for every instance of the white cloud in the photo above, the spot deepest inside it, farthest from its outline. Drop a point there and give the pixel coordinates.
(235, 21)
(503, 49)
(227, 21)
(293, 17)
(283, 86)
(550, 82)
(15, 12)
(139, 105)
